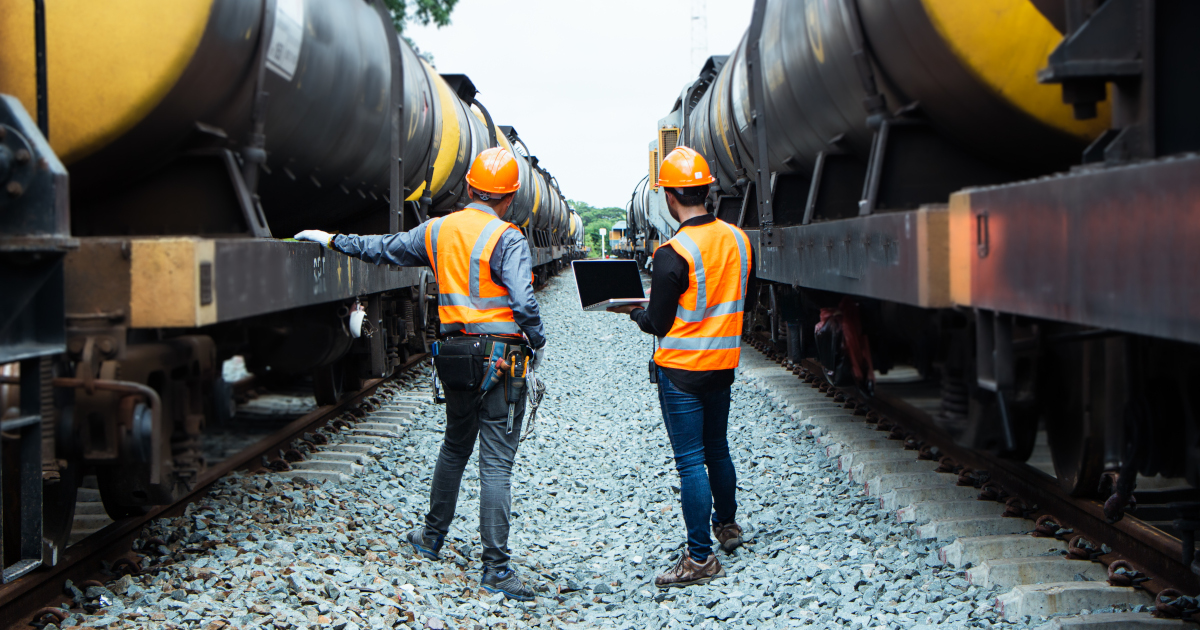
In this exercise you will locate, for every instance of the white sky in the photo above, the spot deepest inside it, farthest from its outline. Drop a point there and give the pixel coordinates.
(584, 83)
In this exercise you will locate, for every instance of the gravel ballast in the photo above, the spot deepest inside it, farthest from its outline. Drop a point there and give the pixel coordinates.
(596, 516)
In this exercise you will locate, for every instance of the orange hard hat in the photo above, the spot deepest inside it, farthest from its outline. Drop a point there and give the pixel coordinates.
(682, 168)
(495, 171)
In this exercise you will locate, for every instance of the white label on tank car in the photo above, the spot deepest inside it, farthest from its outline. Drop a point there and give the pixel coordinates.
(286, 38)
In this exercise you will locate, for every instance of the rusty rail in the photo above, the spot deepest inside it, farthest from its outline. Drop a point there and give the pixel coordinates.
(20, 600)
(1151, 550)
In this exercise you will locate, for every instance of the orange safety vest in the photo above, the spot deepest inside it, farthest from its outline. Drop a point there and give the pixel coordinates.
(460, 247)
(707, 331)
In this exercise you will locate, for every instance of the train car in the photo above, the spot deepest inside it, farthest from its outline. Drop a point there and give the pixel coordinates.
(577, 236)
(1000, 194)
(619, 242)
(648, 212)
(152, 158)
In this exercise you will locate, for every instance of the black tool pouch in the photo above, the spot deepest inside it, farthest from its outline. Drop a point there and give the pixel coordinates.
(460, 365)
(514, 386)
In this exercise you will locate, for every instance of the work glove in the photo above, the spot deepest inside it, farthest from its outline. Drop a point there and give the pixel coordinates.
(316, 236)
(539, 355)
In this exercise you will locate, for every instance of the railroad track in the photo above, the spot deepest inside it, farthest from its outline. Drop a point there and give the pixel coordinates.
(28, 599)
(915, 464)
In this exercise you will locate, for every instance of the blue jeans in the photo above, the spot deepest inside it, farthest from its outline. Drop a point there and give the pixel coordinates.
(707, 480)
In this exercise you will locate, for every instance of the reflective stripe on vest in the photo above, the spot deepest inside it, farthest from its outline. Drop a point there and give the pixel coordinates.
(460, 247)
(707, 331)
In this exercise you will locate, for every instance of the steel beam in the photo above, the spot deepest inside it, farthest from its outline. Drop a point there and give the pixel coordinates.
(896, 256)
(1111, 248)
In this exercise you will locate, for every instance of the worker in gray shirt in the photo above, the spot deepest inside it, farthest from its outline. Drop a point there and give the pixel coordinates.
(487, 308)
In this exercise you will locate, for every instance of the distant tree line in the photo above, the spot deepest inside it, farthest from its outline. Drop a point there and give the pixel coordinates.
(595, 218)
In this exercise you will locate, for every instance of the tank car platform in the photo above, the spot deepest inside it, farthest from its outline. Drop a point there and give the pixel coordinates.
(184, 282)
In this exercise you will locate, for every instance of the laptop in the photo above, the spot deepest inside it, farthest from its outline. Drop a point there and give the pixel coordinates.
(606, 283)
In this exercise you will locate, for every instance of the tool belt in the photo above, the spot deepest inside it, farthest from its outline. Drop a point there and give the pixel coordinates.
(461, 362)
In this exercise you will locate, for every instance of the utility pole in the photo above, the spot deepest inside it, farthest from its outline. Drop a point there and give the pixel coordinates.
(602, 233)
(699, 35)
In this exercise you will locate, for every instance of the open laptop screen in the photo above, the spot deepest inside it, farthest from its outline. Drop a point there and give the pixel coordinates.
(600, 280)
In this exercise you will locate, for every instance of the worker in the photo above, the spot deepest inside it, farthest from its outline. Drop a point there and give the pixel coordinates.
(697, 295)
(485, 282)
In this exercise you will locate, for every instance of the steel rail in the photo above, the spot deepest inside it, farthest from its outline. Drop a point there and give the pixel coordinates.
(1150, 550)
(21, 599)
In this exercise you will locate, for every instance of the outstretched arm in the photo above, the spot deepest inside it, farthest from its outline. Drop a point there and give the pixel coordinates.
(406, 249)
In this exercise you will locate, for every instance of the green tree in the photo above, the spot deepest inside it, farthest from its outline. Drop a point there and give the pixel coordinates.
(424, 12)
(594, 219)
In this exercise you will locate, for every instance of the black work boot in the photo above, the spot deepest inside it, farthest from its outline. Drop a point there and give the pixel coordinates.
(423, 546)
(505, 581)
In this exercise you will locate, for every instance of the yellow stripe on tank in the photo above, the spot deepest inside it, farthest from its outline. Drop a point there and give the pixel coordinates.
(1004, 43)
(108, 64)
(501, 139)
(447, 153)
(537, 196)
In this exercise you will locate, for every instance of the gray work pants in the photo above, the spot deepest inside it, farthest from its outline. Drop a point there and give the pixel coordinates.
(471, 414)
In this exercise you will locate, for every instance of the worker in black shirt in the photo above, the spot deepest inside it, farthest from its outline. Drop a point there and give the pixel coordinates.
(697, 298)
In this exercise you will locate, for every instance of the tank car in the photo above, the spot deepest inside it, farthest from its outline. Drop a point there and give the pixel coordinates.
(194, 132)
(1005, 189)
(648, 211)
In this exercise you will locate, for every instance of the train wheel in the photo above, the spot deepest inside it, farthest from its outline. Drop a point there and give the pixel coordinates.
(111, 482)
(1086, 389)
(329, 382)
(986, 428)
(58, 505)
(59, 492)
(424, 319)
(1078, 457)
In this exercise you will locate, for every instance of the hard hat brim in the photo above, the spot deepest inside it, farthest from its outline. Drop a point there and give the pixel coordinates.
(673, 184)
(500, 190)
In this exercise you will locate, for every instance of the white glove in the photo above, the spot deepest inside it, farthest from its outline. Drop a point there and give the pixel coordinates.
(539, 355)
(316, 236)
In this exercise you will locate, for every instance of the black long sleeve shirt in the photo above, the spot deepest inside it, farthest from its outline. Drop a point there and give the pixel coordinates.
(668, 282)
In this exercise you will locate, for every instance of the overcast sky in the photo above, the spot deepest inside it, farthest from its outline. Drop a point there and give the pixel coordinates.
(584, 83)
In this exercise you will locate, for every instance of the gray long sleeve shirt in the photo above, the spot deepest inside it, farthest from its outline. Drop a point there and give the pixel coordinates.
(511, 266)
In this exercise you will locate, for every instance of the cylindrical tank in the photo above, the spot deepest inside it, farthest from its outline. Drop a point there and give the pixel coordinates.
(525, 200)
(560, 224)
(650, 203)
(137, 85)
(970, 68)
(577, 228)
(536, 204)
(635, 214)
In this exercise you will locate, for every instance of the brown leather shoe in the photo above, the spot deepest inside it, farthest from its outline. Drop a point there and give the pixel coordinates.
(688, 572)
(729, 535)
